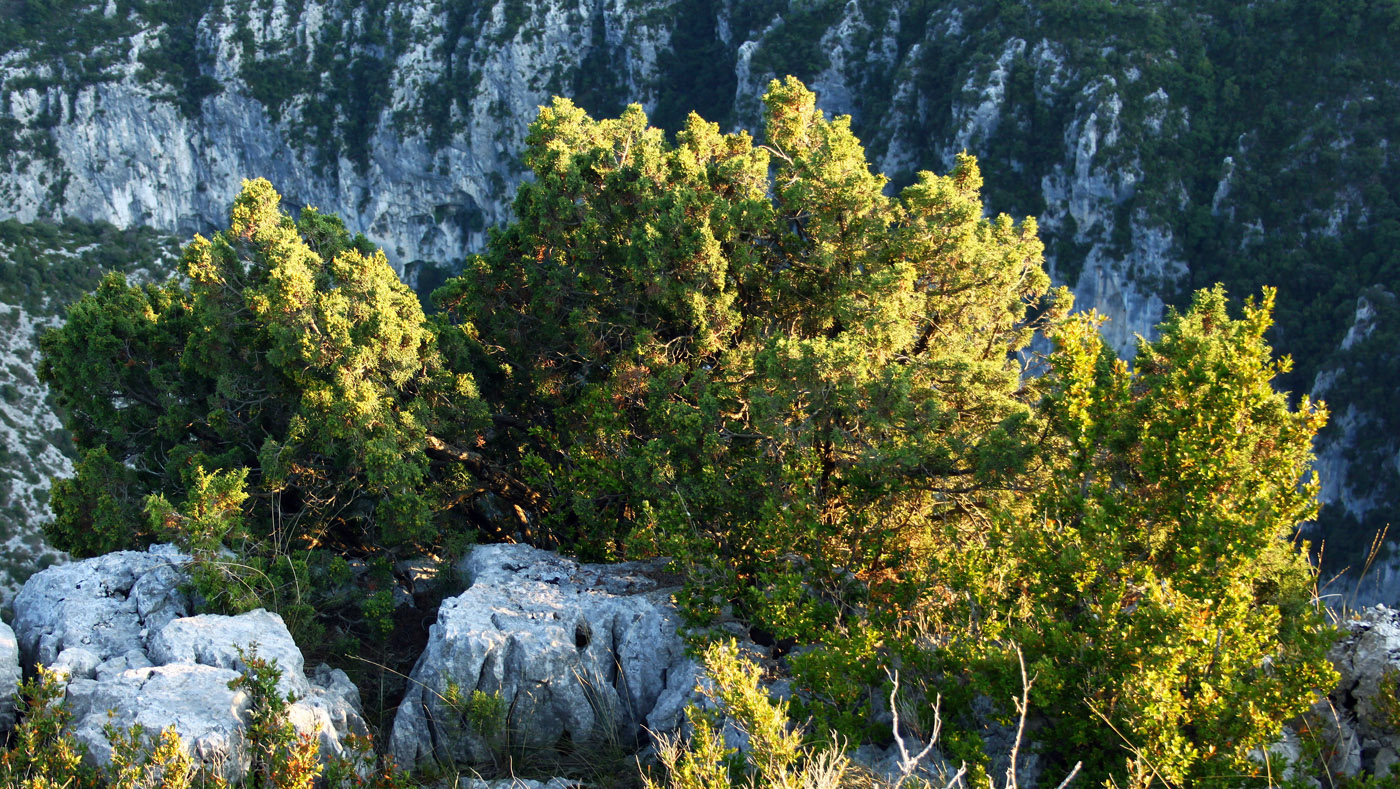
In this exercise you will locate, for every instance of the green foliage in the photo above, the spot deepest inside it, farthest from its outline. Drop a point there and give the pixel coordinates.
(45, 266)
(484, 713)
(281, 758)
(750, 357)
(776, 753)
(361, 768)
(702, 367)
(1154, 585)
(378, 611)
(134, 765)
(292, 359)
(43, 754)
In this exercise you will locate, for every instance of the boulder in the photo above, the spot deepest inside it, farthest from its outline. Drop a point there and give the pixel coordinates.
(517, 783)
(212, 640)
(9, 676)
(1359, 721)
(106, 606)
(119, 628)
(569, 650)
(196, 700)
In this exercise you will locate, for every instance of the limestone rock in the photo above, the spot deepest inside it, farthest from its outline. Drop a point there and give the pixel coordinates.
(9, 676)
(517, 783)
(118, 628)
(195, 700)
(213, 640)
(1357, 720)
(576, 650)
(105, 605)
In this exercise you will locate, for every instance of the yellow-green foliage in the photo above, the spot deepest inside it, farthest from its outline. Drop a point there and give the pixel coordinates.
(746, 354)
(289, 356)
(775, 752)
(743, 352)
(282, 758)
(42, 754)
(136, 765)
(1154, 582)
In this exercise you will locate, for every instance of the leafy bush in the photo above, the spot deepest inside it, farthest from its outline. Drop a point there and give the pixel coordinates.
(43, 753)
(775, 753)
(747, 356)
(292, 355)
(282, 758)
(812, 394)
(1155, 584)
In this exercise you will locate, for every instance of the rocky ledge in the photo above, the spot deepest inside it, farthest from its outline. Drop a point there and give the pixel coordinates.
(118, 629)
(562, 649)
(538, 650)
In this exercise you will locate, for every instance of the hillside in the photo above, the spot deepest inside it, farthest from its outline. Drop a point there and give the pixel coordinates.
(1161, 146)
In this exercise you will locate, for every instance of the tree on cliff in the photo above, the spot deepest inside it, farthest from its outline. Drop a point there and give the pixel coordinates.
(748, 356)
(291, 353)
(1156, 587)
(750, 353)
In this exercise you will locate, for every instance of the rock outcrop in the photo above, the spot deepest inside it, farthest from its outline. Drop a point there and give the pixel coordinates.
(10, 676)
(118, 627)
(1358, 722)
(561, 649)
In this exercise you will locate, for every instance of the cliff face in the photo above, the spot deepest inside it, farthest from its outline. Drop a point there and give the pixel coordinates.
(123, 150)
(1160, 148)
(420, 150)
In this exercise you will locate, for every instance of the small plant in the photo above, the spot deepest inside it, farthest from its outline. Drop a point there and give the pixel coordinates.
(484, 713)
(378, 611)
(166, 766)
(282, 758)
(776, 755)
(43, 753)
(360, 768)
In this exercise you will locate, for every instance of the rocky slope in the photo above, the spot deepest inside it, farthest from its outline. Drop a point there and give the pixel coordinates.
(1161, 146)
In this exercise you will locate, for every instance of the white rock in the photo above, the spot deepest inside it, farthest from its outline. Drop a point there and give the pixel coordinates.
(213, 640)
(580, 650)
(117, 627)
(195, 700)
(10, 676)
(99, 604)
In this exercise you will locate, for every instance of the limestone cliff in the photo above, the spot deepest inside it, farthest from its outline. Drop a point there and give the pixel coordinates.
(1161, 146)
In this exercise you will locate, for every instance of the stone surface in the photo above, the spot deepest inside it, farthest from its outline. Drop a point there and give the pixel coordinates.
(106, 605)
(517, 783)
(212, 640)
(1357, 721)
(576, 650)
(9, 676)
(196, 700)
(118, 627)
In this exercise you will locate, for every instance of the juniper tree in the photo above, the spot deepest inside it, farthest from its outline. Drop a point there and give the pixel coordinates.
(1156, 585)
(288, 352)
(747, 353)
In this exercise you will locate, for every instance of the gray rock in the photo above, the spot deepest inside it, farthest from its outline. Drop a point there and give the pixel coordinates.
(576, 650)
(77, 663)
(9, 676)
(213, 640)
(1356, 721)
(104, 605)
(517, 783)
(118, 627)
(195, 700)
